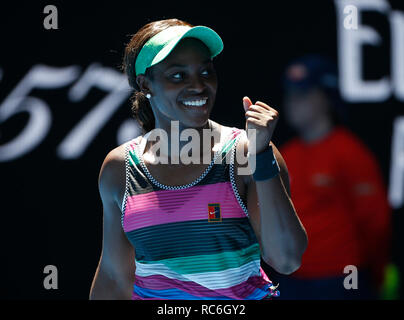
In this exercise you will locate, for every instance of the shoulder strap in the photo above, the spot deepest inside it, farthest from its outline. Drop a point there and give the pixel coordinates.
(230, 140)
(131, 153)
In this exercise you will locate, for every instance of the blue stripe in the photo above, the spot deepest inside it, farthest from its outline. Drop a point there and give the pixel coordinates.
(175, 293)
(259, 293)
(172, 294)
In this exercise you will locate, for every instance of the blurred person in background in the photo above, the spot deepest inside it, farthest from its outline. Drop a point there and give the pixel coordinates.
(337, 188)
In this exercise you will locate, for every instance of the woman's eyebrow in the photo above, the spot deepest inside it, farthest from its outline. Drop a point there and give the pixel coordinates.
(178, 65)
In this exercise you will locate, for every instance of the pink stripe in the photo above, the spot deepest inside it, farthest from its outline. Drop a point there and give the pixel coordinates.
(168, 206)
(239, 291)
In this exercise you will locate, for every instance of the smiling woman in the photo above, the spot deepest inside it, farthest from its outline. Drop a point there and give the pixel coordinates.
(150, 58)
(169, 88)
(192, 231)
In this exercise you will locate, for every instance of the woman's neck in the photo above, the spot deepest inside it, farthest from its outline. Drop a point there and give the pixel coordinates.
(172, 139)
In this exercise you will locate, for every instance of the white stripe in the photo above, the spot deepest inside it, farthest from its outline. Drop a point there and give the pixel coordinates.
(211, 280)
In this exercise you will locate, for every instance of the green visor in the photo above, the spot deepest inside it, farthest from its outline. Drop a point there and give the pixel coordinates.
(159, 47)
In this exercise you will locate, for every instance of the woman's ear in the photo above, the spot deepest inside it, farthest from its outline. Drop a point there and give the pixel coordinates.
(143, 83)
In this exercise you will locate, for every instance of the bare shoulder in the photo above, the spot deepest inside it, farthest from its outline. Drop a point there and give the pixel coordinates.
(112, 176)
(241, 155)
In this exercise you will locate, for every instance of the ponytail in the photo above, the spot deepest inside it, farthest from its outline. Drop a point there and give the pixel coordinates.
(142, 111)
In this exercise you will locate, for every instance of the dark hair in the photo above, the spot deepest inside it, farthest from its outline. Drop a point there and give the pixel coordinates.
(141, 109)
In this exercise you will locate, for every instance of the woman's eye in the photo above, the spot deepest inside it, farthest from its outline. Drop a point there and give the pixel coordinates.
(177, 76)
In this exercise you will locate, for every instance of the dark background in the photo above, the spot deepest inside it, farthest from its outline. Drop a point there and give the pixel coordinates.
(51, 213)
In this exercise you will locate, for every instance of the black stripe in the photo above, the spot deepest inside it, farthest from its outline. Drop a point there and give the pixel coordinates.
(189, 238)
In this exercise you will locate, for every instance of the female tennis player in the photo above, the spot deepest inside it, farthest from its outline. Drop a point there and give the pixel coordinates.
(176, 230)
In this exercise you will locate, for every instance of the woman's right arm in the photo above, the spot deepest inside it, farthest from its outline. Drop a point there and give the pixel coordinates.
(114, 276)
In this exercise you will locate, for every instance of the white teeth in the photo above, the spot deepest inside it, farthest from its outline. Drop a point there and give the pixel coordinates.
(196, 103)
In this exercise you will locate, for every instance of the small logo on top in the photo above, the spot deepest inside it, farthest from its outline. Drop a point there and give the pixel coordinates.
(214, 214)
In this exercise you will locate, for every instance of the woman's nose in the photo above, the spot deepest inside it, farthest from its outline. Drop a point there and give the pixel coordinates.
(197, 85)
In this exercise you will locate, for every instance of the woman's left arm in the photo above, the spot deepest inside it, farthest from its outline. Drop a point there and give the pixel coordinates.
(281, 234)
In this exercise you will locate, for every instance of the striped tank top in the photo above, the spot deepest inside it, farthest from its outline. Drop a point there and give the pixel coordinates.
(195, 241)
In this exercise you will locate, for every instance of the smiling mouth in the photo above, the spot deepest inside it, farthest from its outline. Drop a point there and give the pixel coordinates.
(195, 102)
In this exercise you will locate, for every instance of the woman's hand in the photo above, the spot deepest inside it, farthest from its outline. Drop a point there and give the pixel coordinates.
(263, 119)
